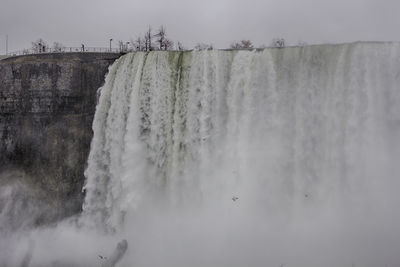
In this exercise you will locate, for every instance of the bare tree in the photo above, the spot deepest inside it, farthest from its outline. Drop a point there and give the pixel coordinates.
(148, 46)
(121, 46)
(202, 46)
(247, 44)
(243, 44)
(235, 45)
(163, 42)
(278, 42)
(138, 44)
(160, 35)
(180, 46)
(58, 47)
(168, 44)
(39, 46)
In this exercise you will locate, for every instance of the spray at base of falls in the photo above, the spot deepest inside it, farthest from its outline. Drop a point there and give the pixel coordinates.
(248, 158)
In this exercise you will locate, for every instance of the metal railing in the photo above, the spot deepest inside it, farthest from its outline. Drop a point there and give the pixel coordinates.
(68, 50)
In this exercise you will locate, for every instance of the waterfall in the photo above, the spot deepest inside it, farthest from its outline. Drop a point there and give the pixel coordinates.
(304, 136)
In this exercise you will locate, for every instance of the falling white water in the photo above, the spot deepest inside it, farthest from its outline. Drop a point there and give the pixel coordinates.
(306, 138)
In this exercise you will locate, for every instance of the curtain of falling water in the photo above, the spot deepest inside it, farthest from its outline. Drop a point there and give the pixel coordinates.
(293, 133)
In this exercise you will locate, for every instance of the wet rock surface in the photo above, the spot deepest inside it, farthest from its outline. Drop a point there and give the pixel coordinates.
(47, 104)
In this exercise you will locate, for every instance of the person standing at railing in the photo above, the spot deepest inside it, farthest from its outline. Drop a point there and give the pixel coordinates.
(83, 48)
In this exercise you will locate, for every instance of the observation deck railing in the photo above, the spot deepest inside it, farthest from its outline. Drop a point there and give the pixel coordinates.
(68, 50)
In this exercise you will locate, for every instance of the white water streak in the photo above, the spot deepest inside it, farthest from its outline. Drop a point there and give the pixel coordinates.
(302, 132)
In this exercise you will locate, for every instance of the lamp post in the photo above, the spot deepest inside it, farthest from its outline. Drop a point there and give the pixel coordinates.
(6, 44)
(110, 43)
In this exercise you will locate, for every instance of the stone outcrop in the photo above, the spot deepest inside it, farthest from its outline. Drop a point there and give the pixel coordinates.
(47, 104)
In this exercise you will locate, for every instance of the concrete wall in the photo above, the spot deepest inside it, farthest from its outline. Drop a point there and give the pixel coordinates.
(47, 104)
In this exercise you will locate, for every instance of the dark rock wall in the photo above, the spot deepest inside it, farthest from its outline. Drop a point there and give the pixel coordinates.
(47, 104)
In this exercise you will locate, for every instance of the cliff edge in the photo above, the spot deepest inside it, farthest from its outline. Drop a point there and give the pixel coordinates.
(47, 104)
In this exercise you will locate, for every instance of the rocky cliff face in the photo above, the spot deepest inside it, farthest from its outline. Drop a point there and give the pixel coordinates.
(47, 103)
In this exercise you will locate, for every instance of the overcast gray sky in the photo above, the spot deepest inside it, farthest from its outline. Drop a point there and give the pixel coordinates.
(94, 22)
